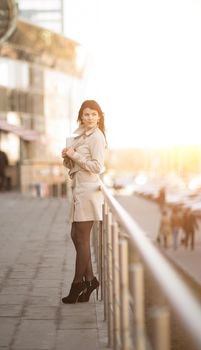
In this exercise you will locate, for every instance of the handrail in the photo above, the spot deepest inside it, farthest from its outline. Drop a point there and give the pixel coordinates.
(179, 295)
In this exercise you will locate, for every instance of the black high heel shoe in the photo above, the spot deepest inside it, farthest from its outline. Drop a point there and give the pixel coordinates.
(91, 285)
(75, 292)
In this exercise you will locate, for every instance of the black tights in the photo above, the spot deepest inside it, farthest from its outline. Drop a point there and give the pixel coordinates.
(80, 234)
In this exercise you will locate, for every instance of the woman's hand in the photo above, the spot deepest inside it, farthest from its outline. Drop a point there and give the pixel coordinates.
(70, 151)
(67, 152)
(63, 153)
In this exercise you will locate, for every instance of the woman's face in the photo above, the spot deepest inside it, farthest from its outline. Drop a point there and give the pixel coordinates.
(90, 118)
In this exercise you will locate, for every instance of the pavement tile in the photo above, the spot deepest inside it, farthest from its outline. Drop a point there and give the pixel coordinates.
(46, 283)
(55, 261)
(44, 291)
(85, 339)
(86, 320)
(51, 270)
(34, 334)
(12, 282)
(14, 299)
(15, 290)
(76, 309)
(28, 268)
(22, 274)
(40, 312)
(50, 276)
(43, 301)
(29, 260)
(3, 273)
(7, 329)
(10, 310)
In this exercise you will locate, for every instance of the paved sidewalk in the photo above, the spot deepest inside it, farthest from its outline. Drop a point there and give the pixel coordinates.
(147, 215)
(37, 263)
(188, 260)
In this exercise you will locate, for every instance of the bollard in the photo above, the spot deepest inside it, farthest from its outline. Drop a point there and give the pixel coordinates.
(63, 189)
(59, 189)
(38, 190)
(54, 190)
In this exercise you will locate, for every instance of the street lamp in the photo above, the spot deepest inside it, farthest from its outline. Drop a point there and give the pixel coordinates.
(8, 18)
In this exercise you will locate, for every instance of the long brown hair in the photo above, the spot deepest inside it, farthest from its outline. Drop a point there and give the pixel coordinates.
(92, 104)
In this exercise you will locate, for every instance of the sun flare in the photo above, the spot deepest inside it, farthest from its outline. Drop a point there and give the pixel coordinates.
(146, 69)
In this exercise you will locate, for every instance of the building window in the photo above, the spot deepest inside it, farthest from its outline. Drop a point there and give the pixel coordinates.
(39, 5)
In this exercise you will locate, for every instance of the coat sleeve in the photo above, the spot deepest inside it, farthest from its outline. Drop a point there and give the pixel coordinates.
(96, 163)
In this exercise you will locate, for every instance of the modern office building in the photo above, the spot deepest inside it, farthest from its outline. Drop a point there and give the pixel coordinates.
(40, 79)
(45, 13)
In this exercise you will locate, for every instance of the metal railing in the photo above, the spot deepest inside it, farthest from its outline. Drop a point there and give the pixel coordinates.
(127, 263)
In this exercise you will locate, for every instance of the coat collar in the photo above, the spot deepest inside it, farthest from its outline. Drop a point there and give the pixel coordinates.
(81, 131)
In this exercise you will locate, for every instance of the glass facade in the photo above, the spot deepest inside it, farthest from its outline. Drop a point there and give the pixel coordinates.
(39, 77)
(20, 95)
(30, 43)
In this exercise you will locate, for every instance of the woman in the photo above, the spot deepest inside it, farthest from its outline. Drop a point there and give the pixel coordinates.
(85, 159)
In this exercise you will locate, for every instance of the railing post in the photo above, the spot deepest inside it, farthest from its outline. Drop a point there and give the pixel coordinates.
(99, 254)
(136, 272)
(109, 279)
(104, 259)
(124, 306)
(102, 255)
(96, 236)
(189, 317)
(161, 320)
(116, 291)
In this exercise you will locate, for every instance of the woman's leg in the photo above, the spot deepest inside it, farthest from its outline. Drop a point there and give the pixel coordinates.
(73, 236)
(89, 275)
(83, 266)
(89, 271)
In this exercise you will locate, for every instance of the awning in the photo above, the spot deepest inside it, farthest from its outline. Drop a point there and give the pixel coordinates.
(25, 134)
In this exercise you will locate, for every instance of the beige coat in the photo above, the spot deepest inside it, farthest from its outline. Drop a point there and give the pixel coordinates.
(84, 167)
